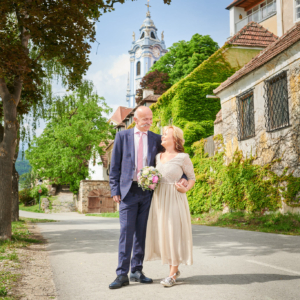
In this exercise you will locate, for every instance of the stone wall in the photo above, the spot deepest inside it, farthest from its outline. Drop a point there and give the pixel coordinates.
(94, 197)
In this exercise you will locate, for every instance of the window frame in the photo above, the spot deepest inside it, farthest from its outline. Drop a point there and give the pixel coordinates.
(242, 128)
(270, 120)
(296, 19)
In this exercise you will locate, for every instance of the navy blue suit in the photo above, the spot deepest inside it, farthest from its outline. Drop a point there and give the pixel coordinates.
(135, 204)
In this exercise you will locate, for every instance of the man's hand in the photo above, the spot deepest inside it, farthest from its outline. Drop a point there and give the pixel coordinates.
(117, 198)
(183, 182)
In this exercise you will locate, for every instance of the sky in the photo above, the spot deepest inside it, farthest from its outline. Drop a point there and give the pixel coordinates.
(179, 21)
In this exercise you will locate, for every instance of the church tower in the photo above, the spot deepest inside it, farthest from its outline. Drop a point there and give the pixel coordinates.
(145, 51)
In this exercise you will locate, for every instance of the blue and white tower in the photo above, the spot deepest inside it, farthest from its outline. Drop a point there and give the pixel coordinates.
(145, 51)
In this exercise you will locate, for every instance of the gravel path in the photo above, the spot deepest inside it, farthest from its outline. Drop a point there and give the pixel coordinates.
(228, 264)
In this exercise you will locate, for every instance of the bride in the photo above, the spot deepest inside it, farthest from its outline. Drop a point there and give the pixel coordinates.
(169, 232)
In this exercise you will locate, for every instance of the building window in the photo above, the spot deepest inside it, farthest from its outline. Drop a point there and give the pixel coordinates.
(138, 68)
(245, 116)
(143, 35)
(276, 102)
(297, 10)
(154, 62)
(153, 35)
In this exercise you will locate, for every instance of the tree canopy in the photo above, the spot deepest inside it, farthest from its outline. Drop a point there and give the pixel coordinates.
(183, 57)
(71, 138)
(156, 81)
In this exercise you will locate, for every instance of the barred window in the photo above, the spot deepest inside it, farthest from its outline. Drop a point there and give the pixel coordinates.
(276, 102)
(245, 112)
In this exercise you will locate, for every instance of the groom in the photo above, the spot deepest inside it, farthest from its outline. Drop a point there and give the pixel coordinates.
(133, 149)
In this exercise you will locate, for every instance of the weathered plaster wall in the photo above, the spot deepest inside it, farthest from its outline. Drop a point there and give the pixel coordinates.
(284, 143)
(238, 56)
(270, 24)
(288, 14)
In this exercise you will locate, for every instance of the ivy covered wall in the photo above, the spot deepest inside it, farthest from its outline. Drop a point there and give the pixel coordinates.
(185, 104)
(240, 185)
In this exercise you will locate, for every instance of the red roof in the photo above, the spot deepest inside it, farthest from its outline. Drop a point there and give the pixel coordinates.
(120, 114)
(253, 35)
(243, 3)
(283, 43)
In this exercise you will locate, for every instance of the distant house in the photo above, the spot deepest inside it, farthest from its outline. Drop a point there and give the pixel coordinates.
(98, 165)
(276, 16)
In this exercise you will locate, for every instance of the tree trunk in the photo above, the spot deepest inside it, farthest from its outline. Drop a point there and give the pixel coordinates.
(7, 152)
(15, 190)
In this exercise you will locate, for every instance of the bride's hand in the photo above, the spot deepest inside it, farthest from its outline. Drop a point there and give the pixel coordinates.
(180, 187)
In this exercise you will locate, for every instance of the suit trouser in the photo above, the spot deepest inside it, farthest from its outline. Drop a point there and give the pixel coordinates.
(134, 211)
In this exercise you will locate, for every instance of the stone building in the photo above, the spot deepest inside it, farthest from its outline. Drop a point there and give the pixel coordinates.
(260, 103)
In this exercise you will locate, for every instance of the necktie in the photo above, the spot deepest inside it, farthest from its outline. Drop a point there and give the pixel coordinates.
(140, 156)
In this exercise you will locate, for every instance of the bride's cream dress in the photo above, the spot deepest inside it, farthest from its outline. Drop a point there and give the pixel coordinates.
(169, 231)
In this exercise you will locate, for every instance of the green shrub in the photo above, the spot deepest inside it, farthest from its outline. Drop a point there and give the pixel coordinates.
(25, 196)
(241, 185)
(35, 191)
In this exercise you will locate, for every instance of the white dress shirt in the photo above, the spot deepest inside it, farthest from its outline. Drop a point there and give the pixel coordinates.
(136, 148)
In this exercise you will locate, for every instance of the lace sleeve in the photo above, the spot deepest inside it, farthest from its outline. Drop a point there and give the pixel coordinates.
(188, 168)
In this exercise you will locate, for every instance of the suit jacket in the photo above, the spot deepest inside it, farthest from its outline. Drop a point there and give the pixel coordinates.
(122, 165)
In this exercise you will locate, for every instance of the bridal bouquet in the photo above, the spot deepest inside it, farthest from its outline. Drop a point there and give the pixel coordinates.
(148, 178)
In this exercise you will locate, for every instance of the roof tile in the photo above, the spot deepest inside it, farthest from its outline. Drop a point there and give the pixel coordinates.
(284, 42)
(253, 35)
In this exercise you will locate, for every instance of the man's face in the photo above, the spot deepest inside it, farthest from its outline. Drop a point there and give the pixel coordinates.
(144, 120)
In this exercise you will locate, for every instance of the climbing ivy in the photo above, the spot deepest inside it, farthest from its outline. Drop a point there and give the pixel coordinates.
(241, 185)
(185, 104)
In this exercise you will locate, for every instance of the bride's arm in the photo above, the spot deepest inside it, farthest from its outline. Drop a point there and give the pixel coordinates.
(188, 169)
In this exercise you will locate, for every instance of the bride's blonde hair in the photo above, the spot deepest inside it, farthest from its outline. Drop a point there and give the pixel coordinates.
(178, 137)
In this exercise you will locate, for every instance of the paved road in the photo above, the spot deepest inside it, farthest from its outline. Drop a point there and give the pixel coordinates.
(228, 264)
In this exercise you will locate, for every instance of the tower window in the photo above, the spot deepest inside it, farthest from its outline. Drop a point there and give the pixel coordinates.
(143, 35)
(153, 35)
(138, 68)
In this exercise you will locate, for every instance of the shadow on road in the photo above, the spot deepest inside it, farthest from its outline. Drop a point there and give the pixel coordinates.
(102, 235)
(235, 279)
(216, 241)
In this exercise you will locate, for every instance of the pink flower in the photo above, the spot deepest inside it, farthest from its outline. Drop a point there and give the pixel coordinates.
(155, 179)
(152, 186)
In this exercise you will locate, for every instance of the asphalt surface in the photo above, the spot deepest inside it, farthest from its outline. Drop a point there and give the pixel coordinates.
(228, 264)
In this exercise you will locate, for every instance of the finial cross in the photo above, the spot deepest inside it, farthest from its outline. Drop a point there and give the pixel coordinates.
(148, 4)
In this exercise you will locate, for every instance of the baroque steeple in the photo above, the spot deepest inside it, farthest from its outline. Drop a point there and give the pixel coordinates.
(146, 49)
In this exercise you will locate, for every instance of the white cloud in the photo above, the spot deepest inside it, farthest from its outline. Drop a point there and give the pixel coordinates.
(120, 66)
(110, 79)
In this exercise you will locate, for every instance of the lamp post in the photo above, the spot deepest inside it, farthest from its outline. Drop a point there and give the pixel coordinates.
(40, 191)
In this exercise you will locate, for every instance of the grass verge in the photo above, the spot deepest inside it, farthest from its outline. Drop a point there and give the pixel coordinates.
(9, 258)
(31, 220)
(288, 224)
(105, 215)
(33, 208)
